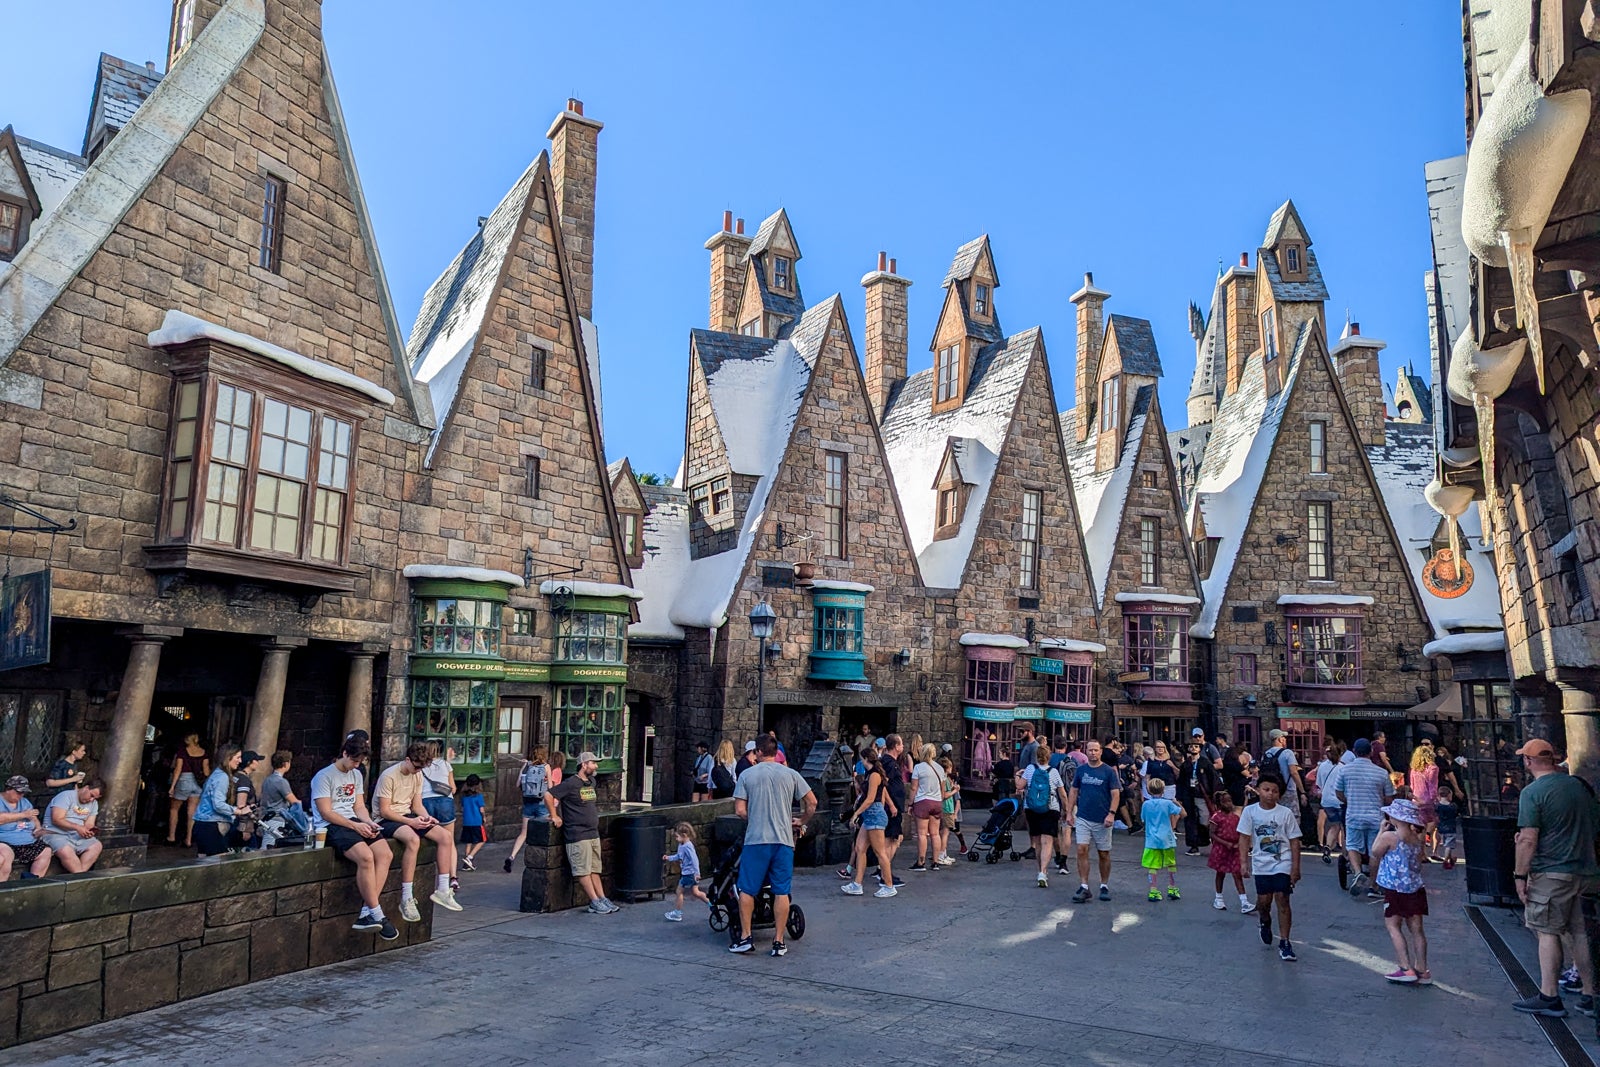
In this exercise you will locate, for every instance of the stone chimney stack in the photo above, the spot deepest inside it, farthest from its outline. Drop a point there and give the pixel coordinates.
(574, 154)
(1243, 331)
(1091, 333)
(886, 332)
(728, 264)
(1355, 360)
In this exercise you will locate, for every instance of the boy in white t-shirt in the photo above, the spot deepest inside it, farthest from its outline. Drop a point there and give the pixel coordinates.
(1269, 848)
(339, 809)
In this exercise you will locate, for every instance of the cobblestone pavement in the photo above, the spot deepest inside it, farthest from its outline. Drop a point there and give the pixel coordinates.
(974, 965)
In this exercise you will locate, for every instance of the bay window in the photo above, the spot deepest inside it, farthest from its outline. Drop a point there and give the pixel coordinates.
(453, 626)
(1074, 686)
(591, 637)
(991, 681)
(1324, 655)
(1156, 651)
(459, 713)
(588, 718)
(838, 641)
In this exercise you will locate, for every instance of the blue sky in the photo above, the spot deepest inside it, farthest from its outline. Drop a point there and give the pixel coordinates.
(1142, 142)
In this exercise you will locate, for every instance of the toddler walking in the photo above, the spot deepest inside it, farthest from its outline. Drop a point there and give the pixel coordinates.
(473, 835)
(1224, 856)
(1448, 812)
(688, 869)
(1160, 816)
(1398, 855)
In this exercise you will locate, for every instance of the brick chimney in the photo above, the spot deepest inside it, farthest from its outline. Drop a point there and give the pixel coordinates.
(1244, 331)
(1091, 333)
(886, 332)
(1355, 360)
(728, 264)
(574, 155)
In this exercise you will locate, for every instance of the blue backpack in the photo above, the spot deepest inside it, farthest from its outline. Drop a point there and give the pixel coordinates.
(1038, 798)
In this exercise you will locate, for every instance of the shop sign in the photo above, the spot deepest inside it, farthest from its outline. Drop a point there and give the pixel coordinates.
(1339, 713)
(1133, 676)
(24, 620)
(988, 714)
(1069, 714)
(854, 687)
(568, 672)
(527, 672)
(487, 670)
(836, 599)
(1045, 665)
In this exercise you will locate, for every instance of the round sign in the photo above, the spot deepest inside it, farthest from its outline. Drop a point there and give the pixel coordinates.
(1446, 577)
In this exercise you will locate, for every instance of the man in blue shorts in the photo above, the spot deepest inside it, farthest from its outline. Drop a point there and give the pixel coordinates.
(765, 796)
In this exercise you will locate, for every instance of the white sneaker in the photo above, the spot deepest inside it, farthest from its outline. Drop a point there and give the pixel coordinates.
(1044, 883)
(946, 861)
(674, 916)
(1245, 907)
(851, 889)
(409, 912)
(1219, 904)
(445, 898)
(887, 891)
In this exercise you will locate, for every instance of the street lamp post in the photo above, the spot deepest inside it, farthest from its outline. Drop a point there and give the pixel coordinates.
(762, 618)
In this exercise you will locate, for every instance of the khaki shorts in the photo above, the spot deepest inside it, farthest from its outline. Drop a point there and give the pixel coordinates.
(948, 820)
(584, 856)
(1553, 901)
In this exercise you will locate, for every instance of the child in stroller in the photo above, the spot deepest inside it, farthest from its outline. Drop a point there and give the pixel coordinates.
(724, 893)
(995, 837)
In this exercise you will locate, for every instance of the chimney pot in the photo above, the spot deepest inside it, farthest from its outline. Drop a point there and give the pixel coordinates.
(574, 105)
(1355, 329)
(727, 221)
(883, 260)
(150, 65)
(739, 226)
(481, 220)
(892, 269)
(1088, 278)
(1244, 259)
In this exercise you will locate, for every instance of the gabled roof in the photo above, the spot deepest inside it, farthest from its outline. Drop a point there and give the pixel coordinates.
(119, 88)
(788, 307)
(664, 545)
(1285, 225)
(1136, 344)
(1235, 461)
(769, 229)
(14, 177)
(52, 171)
(1101, 496)
(915, 441)
(967, 258)
(1312, 289)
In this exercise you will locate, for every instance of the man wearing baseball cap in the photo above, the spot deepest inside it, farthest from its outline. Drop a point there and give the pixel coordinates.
(1555, 866)
(19, 825)
(574, 811)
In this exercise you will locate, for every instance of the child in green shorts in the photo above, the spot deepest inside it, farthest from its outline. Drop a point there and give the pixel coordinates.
(1160, 816)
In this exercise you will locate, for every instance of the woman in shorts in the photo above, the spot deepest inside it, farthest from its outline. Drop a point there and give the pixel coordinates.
(871, 819)
(927, 806)
(1043, 826)
(190, 767)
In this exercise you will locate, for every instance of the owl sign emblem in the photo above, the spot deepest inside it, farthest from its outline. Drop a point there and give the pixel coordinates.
(1445, 576)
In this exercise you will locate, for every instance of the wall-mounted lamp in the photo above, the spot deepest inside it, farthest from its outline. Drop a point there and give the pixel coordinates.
(774, 652)
(902, 658)
(1405, 655)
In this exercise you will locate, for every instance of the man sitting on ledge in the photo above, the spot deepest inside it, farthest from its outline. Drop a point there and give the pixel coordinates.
(19, 828)
(341, 812)
(402, 816)
(69, 827)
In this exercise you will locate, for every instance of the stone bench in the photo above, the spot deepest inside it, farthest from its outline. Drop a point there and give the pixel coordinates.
(81, 949)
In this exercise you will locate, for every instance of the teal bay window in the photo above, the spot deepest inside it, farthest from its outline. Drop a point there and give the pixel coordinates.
(591, 637)
(589, 672)
(456, 666)
(457, 713)
(588, 718)
(837, 642)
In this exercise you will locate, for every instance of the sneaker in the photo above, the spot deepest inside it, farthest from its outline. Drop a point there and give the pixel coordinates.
(1327, 857)
(741, 945)
(1044, 883)
(920, 867)
(1358, 885)
(1286, 952)
(778, 949)
(886, 891)
(899, 882)
(387, 931)
(1539, 1004)
(1191, 852)
(1374, 893)
(946, 861)
(1570, 982)
(445, 898)
(1155, 895)
(596, 908)
(467, 864)
(1219, 904)
(1424, 977)
(846, 872)
(1105, 892)
(1266, 932)
(1246, 907)
(366, 922)
(1449, 863)
(674, 916)
(1063, 872)
(508, 864)
(1585, 1005)
(1082, 896)
(851, 889)
(1173, 894)
(606, 903)
(409, 912)
(1401, 976)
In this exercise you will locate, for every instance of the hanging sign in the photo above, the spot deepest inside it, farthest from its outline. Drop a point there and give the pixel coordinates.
(854, 687)
(988, 714)
(24, 620)
(1045, 665)
(1445, 576)
(1069, 714)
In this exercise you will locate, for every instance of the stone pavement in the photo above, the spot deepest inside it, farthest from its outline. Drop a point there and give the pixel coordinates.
(973, 965)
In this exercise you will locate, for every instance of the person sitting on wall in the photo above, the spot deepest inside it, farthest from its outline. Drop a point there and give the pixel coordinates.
(340, 812)
(19, 832)
(277, 796)
(221, 806)
(69, 824)
(65, 771)
(402, 816)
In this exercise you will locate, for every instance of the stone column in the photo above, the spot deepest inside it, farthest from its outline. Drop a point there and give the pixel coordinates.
(1580, 713)
(124, 750)
(358, 692)
(266, 713)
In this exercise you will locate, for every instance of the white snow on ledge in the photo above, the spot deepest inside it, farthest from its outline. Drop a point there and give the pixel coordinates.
(842, 587)
(1332, 599)
(601, 589)
(993, 640)
(1155, 598)
(178, 328)
(1486, 622)
(1456, 644)
(1071, 644)
(462, 574)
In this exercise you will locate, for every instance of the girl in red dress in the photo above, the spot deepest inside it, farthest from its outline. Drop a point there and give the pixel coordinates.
(1224, 857)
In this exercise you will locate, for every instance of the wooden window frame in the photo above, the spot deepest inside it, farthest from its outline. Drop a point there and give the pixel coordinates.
(1028, 540)
(1319, 549)
(532, 477)
(948, 508)
(1148, 634)
(752, 328)
(982, 299)
(782, 273)
(1148, 480)
(1149, 552)
(632, 523)
(1246, 669)
(19, 231)
(1325, 650)
(947, 375)
(991, 681)
(1292, 260)
(1110, 404)
(721, 496)
(836, 501)
(523, 622)
(182, 27)
(274, 209)
(1269, 334)
(700, 500)
(538, 366)
(1317, 438)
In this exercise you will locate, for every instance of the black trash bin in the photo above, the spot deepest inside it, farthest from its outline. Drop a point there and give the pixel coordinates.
(1490, 845)
(636, 866)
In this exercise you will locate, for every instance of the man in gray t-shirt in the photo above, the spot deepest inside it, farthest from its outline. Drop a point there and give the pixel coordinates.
(765, 795)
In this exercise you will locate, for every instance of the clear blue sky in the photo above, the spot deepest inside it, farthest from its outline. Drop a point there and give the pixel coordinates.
(1142, 142)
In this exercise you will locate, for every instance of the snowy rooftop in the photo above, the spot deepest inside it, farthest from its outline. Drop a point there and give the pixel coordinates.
(665, 542)
(1452, 268)
(119, 88)
(1209, 369)
(52, 171)
(916, 440)
(1101, 496)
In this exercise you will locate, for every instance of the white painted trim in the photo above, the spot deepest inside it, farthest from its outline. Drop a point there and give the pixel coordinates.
(842, 587)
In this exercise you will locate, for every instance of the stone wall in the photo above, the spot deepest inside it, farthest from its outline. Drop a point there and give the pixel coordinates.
(83, 949)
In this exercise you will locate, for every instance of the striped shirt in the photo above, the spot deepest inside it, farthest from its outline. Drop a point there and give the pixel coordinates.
(1366, 788)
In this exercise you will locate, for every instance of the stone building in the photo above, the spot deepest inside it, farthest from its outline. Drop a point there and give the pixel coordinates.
(1311, 618)
(200, 369)
(1516, 298)
(1127, 492)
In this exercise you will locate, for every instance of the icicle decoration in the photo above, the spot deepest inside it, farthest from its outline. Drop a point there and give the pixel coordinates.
(1518, 245)
(1451, 501)
(1483, 408)
(1477, 376)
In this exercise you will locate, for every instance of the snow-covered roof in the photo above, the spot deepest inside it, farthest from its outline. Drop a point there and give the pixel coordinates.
(119, 88)
(1286, 225)
(1404, 465)
(53, 172)
(1156, 598)
(179, 328)
(1450, 281)
(841, 587)
(462, 574)
(595, 589)
(664, 541)
(1235, 461)
(1070, 644)
(915, 440)
(993, 640)
(1458, 644)
(1325, 600)
(1101, 496)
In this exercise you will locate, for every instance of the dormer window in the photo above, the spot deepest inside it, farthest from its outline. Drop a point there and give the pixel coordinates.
(752, 328)
(949, 506)
(721, 497)
(1269, 335)
(1291, 259)
(780, 273)
(980, 299)
(10, 229)
(947, 374)
(1110, 404)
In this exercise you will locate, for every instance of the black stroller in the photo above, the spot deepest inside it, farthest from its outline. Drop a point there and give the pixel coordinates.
(995, 837)
(724, 894)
